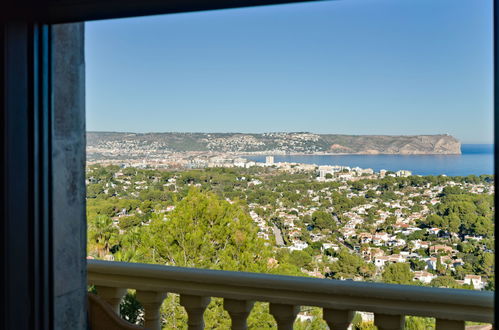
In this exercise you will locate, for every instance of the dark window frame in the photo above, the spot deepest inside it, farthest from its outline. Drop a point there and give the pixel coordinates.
(26, 176)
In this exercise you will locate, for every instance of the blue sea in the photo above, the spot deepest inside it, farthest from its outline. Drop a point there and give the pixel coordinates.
(475, 159)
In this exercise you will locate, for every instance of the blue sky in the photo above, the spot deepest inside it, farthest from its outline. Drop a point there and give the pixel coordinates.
(346, 67)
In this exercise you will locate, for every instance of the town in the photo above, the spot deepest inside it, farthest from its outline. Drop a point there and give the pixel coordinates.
(200, 149)
(387, 227)
(332, 222)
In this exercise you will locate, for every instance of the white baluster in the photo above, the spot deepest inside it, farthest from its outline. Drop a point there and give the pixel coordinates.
(151, 301)
(284, 315)
(337, 319)
(195, 307)
(389, 322)
(441, 324)
(238, 311)
(112, 296)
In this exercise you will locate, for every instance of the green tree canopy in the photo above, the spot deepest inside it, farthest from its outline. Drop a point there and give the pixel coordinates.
(397, 273)
(350, 265)
(207, 232)
(445, 281)
(323, 220)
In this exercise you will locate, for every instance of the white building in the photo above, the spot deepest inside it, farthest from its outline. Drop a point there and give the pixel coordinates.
(240, 162)
(381, 261)
(330, 169)
(424, 276)
(298, 245)
(331, 246)
(476, 280)
(304, 317)
(403, 173)
(250, 164)
(431, 263)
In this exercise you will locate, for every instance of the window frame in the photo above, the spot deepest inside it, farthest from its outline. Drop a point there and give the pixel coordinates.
(26, 142)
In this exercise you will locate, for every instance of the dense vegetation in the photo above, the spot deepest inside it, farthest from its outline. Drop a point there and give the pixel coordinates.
(205, 218)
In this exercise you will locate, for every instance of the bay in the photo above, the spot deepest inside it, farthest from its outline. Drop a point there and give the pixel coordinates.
(475, 159)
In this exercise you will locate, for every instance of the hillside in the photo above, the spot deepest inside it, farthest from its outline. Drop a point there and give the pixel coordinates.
(270, 143)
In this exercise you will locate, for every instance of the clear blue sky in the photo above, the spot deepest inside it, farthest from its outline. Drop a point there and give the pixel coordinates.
(349, 67)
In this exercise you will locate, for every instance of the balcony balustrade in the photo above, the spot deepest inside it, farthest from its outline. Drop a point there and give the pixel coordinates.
(339, 300)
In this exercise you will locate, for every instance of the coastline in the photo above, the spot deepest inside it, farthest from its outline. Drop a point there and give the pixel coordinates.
(274, 153)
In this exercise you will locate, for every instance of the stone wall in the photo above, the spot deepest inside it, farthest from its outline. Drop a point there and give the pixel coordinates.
(68, 150)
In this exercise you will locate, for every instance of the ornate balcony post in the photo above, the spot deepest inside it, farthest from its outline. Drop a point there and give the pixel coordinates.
(238, 311)
(151, 301)
(338, 319)
(195, 307)
(112, 296)
(441, 324)
(284, 315)
(389, 322)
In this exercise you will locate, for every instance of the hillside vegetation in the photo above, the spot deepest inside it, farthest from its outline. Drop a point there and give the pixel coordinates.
(276, 143)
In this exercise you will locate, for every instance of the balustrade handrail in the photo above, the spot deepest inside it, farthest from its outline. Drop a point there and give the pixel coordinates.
(390, 299)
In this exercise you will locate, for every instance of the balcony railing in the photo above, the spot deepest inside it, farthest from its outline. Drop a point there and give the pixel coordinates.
(339, 299)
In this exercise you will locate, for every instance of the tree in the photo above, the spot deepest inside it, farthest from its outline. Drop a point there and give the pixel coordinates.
(323, 220)
(146, 206)
(357, 186)
(350, 265)
(101, 231)
(129, 221)
(388, 196)
(300, 259)
(418, 234)
(94, 190)
(434, 220)
(207, 232)
(260, 211)
(453, 223)
(397, 273)
(445, 281)
(418, 323)
(465, 248)
(441, 269)
(370, 194)
(452, 190)
(417, 264)
(487, 263)
(389, 222)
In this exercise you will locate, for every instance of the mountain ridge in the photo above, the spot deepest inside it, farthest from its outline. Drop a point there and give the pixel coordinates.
(275, 143)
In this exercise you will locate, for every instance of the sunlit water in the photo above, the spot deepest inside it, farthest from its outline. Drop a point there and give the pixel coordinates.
(475, 159)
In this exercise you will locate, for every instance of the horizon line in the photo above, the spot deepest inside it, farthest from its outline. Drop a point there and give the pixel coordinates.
(267, 132)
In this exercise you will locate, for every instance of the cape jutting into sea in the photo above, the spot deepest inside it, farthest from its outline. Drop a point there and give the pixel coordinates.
(475, 159)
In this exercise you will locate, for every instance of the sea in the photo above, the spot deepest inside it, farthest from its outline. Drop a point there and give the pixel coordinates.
(475, 159)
